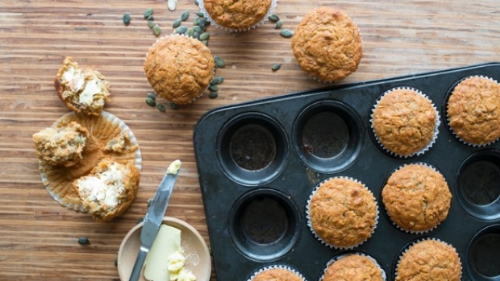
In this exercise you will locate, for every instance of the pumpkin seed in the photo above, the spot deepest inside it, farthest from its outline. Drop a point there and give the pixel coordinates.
(148, 12)
(176, 23)
(196, 2)
(204, 42)
(217, 80)
(279, 24)
(151, 17)
(219, 62)
(213, 88)
(161, 107)
(196, 22)
(213, 95)
(151, 96)
(286, 33)
(181, 29)
(274, 18)
(203, 23)
(172, 4)
(204, 36)
(276, 66)
(83, 240)
(190, 32)
(197, 29)
(151, 24)
(156, 30)
(200, 14)
(196, 35)
(185, 16)
(173, 105)
(126, 18)
(151, 102)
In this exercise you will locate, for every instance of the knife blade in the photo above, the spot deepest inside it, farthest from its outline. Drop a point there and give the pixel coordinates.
(154, 217)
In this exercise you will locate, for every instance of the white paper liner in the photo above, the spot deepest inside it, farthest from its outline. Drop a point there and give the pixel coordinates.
(336, 258)
(448, 118)
(311, 228)
(392, 221)
(436, 126)
(71, 117)
(407, 248)
(276, 266)
(201, 5)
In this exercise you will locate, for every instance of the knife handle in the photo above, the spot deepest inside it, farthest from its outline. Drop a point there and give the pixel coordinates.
(139, 262)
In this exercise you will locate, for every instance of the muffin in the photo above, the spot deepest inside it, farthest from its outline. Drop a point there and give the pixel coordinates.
(81, 90)
(108, 190)
(276, 273)
(473, 110)
(61, 146)
(179, 68)
(416, 198)
(429, 260)
(342, 212)
(327, 44)
(405, 122)
(235, 15)
(353, 267)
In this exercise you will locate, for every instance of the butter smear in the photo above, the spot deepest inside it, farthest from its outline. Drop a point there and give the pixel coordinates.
(174, 167)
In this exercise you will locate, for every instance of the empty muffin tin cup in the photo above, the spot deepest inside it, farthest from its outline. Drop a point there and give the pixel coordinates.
(328, 136)
(478, 184)
(483, 254)
(264, 224)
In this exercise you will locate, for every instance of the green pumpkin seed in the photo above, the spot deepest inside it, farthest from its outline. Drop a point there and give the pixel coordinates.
(151, 96)
(286, 33)
(83, 241)
(204, 36)
(204, 42)
(213, 95)
(197, 29)
(148, 12)
(202, 22)
(217, 80)
(200, 14)
(190, 32)
(151, 17)
(151, 24)
(181, 29)
(276, 66)
(219, 62)
(126, 18)
(196, 22)
(196, 2)
(151, 102)
(213, 88)
(156, 30)
(173, 105)
(185, 16)
(274, 18)
(176, 23)
(161, 107)
(279, 24)
(196, 35)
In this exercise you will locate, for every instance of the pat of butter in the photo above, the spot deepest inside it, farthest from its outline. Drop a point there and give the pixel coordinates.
(167, 242)
(92, 88)
(173, 169)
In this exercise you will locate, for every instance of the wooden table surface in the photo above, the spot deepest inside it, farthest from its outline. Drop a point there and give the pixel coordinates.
(38, 237)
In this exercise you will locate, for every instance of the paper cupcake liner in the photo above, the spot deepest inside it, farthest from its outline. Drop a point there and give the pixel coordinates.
(201, 5)
(448, 118)
(276, 266)
(387, 213)
(336, 258)
(58, 181)
(311, 228)
(436, 126)
(408, 247)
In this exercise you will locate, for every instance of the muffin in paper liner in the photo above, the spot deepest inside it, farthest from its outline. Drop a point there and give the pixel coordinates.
(361, 227)
(412, 264)
(292, 274)
(179, 83)
(410, 141)
(110, 138)
(368, 258)
(411, 201)
(475, 111)
(234, 25)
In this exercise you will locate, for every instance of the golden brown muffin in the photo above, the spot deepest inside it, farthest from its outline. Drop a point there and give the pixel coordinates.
(108, 190)
(61, 146)
(353, 267)
(404, 122)
(327, 44)
(417, 198)
(474, 110)
(237, 14)
(277, 274)
(342, 212)
(82, 90)
(179, 68)
(429, 260)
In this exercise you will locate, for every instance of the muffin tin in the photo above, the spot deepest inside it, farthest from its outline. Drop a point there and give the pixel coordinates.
(259, 161)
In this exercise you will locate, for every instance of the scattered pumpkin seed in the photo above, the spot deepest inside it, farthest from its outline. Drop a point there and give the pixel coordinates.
(203, 23)
(172, 4)
(196, 35)
(181, 29)
(197, 29)
(83, 240)
(148, 12)
(213, 95)
(151, 102)
(190, 32)
(156, 30)
(204, 36)
(217, 80)
(126, 18)
(213, 88)
(276, 66)
(196, 22)
(151, 17)
(286, 33)
(274, 18)
(196, 2)
(151, 96)
(200, 14)
(185, 16)
(160, 107)
(173, 105)
(176, 23)
(151, 24)
(204, 42)
(279, 24)
(219, 62)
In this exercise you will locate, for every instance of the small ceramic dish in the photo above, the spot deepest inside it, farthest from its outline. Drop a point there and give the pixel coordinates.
(195, 249)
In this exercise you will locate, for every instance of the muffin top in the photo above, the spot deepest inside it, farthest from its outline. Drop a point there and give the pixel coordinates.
(429, 260)
(474, 110)
(237, 14)
(416, 197)
(277, 274)
(179, 68)
(342, 212)
(353, 267)
(404, 121)
(327, 44)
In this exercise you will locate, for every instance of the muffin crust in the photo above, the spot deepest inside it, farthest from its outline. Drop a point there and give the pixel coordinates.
(237, 14)
(277, 274)
(353, 267)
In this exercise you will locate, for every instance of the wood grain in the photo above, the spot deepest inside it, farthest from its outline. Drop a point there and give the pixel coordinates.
(38, 237)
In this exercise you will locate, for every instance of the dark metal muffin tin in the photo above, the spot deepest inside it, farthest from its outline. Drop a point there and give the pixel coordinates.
(259, 161)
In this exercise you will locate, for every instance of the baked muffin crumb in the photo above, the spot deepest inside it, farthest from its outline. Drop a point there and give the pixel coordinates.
(354, 267)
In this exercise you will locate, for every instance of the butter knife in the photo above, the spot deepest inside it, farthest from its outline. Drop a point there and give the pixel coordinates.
(154, 217)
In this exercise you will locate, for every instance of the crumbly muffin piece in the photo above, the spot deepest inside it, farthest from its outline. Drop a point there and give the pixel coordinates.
(237, 14)
(404, 121)
(429, 260)
(82, 90)
(327, 44)
(353, 267)
(277, 274)
(343, 212)
(474, 110)
(120, 143)
(61, 146)
(108, 190)
(179, 68)
(416, 197)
